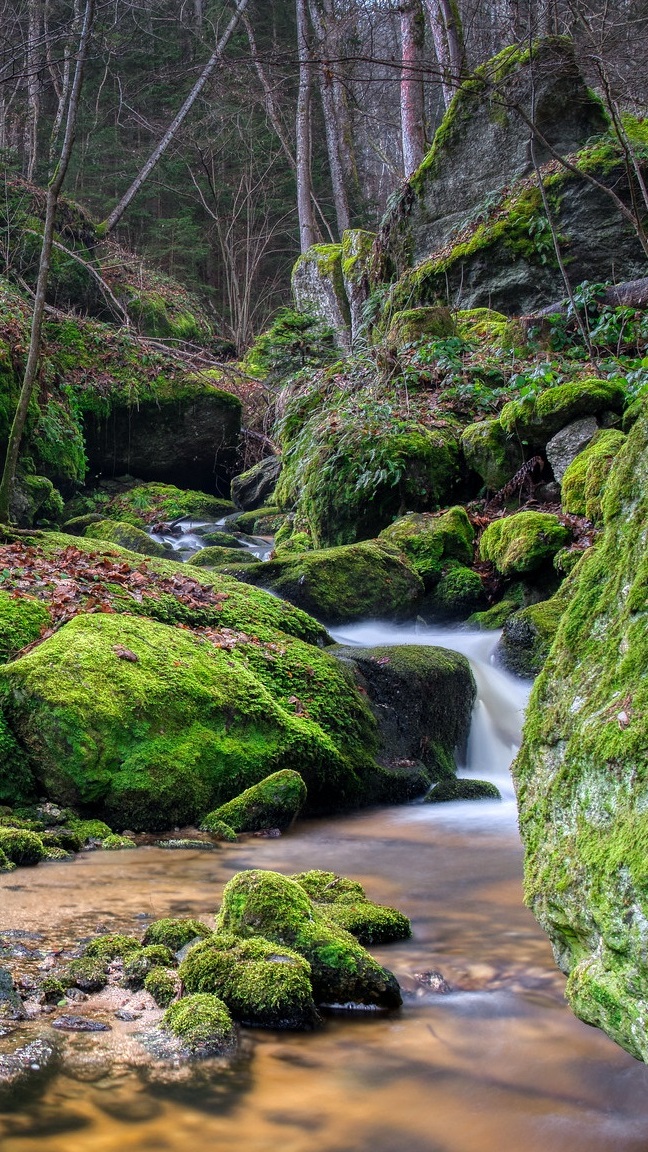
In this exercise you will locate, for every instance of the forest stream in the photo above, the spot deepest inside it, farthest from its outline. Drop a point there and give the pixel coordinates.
(484, 1056)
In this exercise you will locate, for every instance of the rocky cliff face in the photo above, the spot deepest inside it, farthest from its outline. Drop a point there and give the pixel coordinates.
(582, 774)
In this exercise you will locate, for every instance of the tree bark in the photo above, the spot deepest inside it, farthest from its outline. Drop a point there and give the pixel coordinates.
(33, 87)
(331, 125)
(115, 216)
(411, 86)
(307, 230)
(447, 34)
(53, 191)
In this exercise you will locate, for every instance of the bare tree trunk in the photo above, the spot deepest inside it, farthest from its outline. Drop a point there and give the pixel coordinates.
(215, 58)
(445, 23)
(331, 124)
(271, 108)
(307, 230)
(33, 87)
(64, 91)
(345, 129)
(53, 191)
(411, 85)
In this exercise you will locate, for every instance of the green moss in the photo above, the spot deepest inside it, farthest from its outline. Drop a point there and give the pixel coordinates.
(148, 503)
(57, 855)
(490, 327)
(111, 947)
(329, 888)
(6, 865)
(342, 584)
(44, 501)
(538, 418)
(116, 843)
(521, 543)
(203, 1024)
(90, 829)
(295, 340)
(583, 483)
(298, 543)
(21, 622)
(126, 536)
(462, 789)
(344, 903)
(212, 557)
(89, 973)
(21, 847)
(273, 803)
(357, 250)
(52, 990)
(260, 522)
(272, 906)
(217, 829)
(137, 965)
(63, 838)
(459, 592)
(528, 635)
(263, 984)
(492, 453)
(414, 324)
(162, 986)
(429, 541)
(175, 933)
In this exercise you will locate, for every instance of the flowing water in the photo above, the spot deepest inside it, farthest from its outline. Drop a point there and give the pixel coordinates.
(497, 1064)
(184, 537)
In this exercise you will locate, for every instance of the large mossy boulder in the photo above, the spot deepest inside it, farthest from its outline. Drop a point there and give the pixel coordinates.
(583, 483)
(536, 420)
(581, 775)
(156, 726)
(422, 698)
(278, 909)
(140, 504)
(125, 536)
(318, 289)
(522, 543)
(184, 434)
(273, 803)
(357, 252)
(345, 903)
(265, 985)
(22, 620)
(429, 541)
(339, 585)
(254, 488)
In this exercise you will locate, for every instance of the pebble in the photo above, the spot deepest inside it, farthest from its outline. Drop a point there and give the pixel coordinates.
(80, 1024)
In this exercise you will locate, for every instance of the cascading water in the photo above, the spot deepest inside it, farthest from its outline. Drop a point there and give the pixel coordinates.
(496, 727)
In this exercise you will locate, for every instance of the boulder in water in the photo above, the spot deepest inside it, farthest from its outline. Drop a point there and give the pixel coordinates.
(125, 536)
(202, 1024)
(273, 803)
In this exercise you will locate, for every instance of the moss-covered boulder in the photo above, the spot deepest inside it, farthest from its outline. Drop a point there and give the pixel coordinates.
(125, 536)
(202, 1024)
(459, 593)
(494, 454)
(318, 288)
(142, 504)
(429, 541)
(253, 488)
(21, 847)
(175, 933)
(264, 984)
(89, 973)
(422, 698)
(357, 253)
(216, 556)
(343, 584)
(273, 803)
(528, 634)
(583, 482)
(112, 946)
(137, 965)
(22, 620)
(462, 788)
(581, 773)
(154, 726)
(412, 324)
(162, 985)
(536, 419)
(522, 543)
(276, 908)
(345, 903)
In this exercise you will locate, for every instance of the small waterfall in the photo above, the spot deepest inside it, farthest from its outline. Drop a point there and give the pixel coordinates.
(498, 715)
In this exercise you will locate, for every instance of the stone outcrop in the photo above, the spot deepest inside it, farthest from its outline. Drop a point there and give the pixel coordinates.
(582, 771)
(318, 288)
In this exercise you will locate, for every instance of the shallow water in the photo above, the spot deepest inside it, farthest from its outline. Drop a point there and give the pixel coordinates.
(185, 537)
(497, 1065)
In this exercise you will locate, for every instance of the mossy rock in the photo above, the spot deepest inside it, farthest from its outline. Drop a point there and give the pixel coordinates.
(218, 829)
(66, 839)
(581, 773)
(537, 419)
(276, 908)
(344, 584)
(90, 830)
(273, 803)
(264, 984)
(21, 622)
(261, 521)
(116, 843)
(522, 543)
(143, 504)
(23, 848)
(111, 946)
(174, 933)
(89, 973)
(318, 288)
(125, 536)
(462, 789)
(158, 740)
(77, 525)
(251, 489)
(35, 500)
(413, 324)
(138, 965)
(528, 634)
(203, 1025)
(583, 483)
(490, 327)
(344, 903)
(422, 697)
(497, 615)
(494, 454)
(216, 555)
(295, 545)
(162, 985)
(459, 592)
(6, 865)
(429, 541)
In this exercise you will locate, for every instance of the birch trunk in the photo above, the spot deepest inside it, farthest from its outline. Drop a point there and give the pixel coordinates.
(411, 86)
(307, 230)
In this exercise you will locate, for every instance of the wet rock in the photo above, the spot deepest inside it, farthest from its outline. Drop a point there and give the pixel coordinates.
(25, 1061)
(11, 1006)
(198, 845)
(565, 446)
(252, 489)
(462, 789)
(433, 981)
(271, 806)
(80, 1024)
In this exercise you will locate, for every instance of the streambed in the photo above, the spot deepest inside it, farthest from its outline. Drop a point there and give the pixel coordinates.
(498, 1063)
